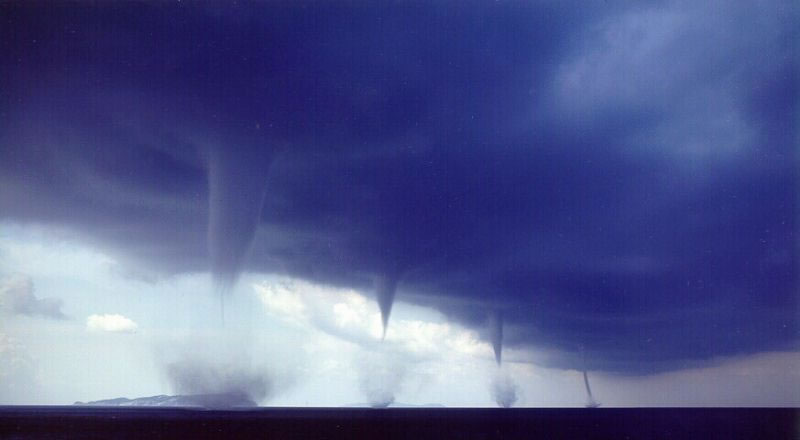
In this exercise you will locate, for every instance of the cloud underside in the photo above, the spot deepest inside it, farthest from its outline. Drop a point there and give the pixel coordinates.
(621, 180)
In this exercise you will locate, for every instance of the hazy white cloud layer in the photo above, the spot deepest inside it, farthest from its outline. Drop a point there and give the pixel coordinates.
(424, 360)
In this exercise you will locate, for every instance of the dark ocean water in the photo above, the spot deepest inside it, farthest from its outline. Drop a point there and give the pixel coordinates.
(413, 423)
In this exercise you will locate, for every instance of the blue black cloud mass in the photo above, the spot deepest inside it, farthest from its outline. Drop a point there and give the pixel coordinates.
(620, 176)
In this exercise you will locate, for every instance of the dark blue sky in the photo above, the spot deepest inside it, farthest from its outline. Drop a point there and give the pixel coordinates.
(609, 175)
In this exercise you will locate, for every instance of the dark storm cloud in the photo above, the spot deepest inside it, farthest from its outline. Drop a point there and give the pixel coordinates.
(17, 297)
(618, 177)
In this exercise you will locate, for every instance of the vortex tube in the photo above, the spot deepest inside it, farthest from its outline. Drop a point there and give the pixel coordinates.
(237, 187)
(385, 291)
(496, 334)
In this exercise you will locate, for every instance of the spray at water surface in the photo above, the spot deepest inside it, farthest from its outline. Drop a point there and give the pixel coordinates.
(381, 375)
(504, 390)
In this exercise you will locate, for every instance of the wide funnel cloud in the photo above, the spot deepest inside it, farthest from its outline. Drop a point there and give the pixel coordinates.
(237, 184)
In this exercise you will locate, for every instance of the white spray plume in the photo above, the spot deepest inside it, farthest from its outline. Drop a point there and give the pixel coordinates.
(381, 375)
(218, 382)
(218, 368)
(504, 390)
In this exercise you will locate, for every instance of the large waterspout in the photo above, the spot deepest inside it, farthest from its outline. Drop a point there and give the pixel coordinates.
(237, 186)
(590, 402)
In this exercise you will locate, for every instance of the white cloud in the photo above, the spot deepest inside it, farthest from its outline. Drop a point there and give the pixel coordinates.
(110, 323)
(280, 300)
(344, 313)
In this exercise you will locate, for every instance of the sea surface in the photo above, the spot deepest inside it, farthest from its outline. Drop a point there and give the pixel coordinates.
(59, 422)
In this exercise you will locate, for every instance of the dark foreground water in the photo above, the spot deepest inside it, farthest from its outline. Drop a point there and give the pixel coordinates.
(414, 423)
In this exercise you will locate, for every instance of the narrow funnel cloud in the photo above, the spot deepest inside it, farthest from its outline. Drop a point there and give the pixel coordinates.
(590, 402)
(385, 290)
(496, 334)
(237, 186)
